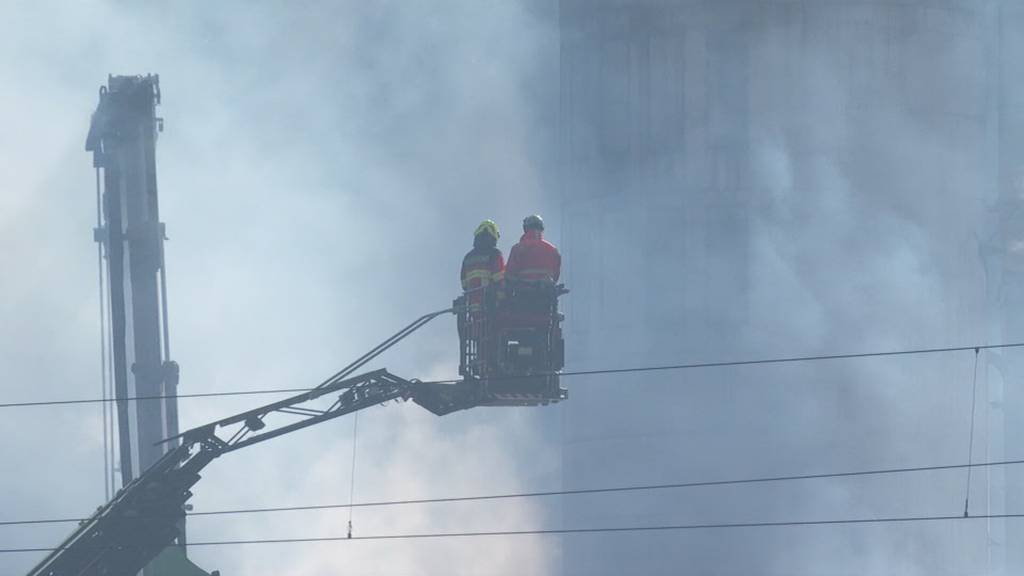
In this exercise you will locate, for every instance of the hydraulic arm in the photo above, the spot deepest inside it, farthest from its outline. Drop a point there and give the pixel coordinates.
(127, 533)
(143, 518)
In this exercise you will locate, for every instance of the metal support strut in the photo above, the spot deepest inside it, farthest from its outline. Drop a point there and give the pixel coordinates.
(144, 517)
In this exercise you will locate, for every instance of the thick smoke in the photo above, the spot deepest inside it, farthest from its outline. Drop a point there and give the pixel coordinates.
(847, 221)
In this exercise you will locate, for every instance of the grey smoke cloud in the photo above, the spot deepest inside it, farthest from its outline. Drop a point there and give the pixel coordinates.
(863, 177)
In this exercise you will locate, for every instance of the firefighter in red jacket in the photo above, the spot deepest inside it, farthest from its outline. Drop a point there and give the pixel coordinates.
(534, 258)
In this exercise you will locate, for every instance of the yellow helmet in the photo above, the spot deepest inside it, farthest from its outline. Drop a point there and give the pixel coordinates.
(488, 227)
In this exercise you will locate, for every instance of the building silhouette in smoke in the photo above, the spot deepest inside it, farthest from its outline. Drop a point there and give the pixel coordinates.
(665, 107)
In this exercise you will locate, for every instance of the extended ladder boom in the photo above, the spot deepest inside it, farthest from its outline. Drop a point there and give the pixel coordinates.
(124, 535)
(143, 518)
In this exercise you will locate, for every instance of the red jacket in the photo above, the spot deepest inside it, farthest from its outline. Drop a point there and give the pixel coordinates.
(534, 258)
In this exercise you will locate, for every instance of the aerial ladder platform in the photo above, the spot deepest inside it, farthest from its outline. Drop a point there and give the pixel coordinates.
(144, 517)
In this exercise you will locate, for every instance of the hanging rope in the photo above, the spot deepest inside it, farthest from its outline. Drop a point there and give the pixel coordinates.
(970, 442)
(115, 464)
(352, 480)
(103, 341)
(163, 302)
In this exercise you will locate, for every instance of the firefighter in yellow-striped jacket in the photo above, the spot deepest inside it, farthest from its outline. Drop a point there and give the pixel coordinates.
(483, 265)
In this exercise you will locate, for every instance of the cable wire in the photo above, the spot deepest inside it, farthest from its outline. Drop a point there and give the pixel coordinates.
(352, 480)
(571, 492)
(115, 440)
(970, 442)
(605, 371)
(593, 530)
(103, 340)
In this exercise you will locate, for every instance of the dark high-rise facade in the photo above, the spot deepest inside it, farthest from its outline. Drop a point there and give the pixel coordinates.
(682, 123)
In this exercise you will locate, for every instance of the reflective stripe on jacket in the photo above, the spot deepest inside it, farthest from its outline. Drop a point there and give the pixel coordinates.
(534, 258)
(482, 267)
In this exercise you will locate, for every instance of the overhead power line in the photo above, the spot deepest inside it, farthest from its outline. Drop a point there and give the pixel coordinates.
(573, 492)
(604, 371)
(595, 530)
